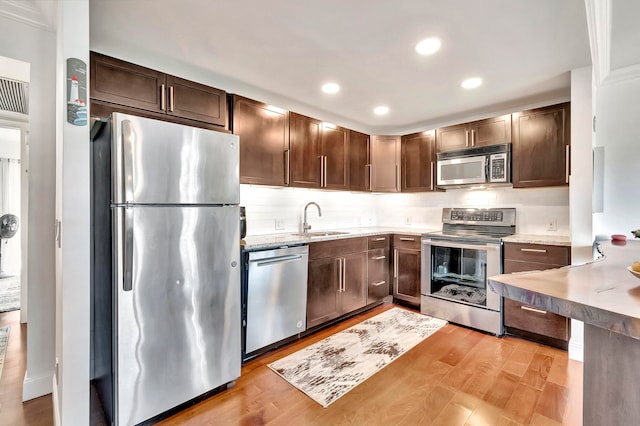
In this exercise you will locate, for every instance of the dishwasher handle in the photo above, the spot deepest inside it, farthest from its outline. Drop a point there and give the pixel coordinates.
(276, 259)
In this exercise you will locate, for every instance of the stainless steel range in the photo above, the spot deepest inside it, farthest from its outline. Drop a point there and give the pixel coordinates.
(456, 263)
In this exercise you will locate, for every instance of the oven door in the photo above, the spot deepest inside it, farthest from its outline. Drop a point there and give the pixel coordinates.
(458, 272)
(462, 170)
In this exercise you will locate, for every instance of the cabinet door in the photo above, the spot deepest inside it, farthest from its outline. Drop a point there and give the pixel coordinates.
(406, 267)
(323, 303)
(306, 161)
(418, 162)
(359, 166)
(452, 138)
(335, 148)
(385, 163)
(377, 274)
(264, 142)
(541, 146)
(195, 101)
(492, 131)
(354, 286)
(123, 83)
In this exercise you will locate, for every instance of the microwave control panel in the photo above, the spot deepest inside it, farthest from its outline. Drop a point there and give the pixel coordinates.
(498, 167)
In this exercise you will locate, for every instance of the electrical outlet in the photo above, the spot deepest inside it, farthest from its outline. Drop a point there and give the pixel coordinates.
(552, 225)
(407, 220)
(279, 224)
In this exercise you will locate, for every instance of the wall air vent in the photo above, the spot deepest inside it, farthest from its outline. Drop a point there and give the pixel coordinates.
(14, 96)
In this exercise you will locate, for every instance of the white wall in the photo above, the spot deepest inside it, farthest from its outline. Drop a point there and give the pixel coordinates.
(72, 209)
(37, 47)
(617, 130)
(9, 142)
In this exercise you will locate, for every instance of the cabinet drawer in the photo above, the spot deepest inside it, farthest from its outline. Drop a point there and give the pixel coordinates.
(411, 242)
(537, 253)
(378, 241)
(336, 248)
(511, 266)
(378, 265)
(534, 320)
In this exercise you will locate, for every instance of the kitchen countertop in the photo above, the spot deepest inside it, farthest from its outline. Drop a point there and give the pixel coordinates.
(553, 240)
(601, 293)
(258, 242)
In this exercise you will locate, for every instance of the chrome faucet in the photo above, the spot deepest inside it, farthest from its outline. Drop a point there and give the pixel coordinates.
(305, 224)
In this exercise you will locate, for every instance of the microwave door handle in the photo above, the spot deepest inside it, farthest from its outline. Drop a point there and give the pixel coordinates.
(487, 169)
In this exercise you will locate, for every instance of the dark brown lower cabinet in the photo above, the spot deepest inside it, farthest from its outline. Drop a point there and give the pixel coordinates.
(406, 268)
(337, 282)
(527, 321)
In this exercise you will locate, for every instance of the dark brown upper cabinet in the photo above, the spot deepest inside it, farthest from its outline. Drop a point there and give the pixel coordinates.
(491, 131)
(385, 163)
(541, 143)
(418, 162)
(359, 162)
(264, 142)
(319, 154)
(135, 87)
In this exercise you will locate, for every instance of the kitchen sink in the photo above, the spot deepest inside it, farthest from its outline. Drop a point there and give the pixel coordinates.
(320, 234)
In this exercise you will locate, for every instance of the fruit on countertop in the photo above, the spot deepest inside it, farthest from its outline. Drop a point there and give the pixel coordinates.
(636, 233)
(636, 266)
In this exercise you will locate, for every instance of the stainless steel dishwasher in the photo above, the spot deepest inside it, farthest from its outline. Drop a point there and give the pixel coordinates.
(276, 305)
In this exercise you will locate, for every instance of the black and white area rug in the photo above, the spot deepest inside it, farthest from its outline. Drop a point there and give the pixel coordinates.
(9, 294)
(330, 368)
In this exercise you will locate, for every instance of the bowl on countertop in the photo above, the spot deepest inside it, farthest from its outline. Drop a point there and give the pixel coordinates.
(635, 273)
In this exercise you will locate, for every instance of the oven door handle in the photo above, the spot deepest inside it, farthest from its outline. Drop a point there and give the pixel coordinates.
(451, 244)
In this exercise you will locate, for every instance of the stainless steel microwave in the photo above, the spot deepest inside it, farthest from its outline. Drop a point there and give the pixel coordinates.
(475, 166)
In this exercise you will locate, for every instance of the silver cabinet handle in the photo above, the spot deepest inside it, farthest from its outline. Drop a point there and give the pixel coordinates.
(344, 274)
(287, 166)
(325, 171)
(397, 177)
(432, 177)
(395, 263)
(380, 239)
(567, 154)
(407, 239)
(378, 283)
(127, 248)
(473, 139)
(537, 311)
(127, 160)
(321, 170)
(370, 176)
(277, 259)
(163, 97)
(466, 138)
(171, 98)
(533, 250)
(339, 275)
(379, 257)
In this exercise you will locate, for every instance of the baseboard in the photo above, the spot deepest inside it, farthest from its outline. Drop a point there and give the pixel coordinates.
(56, 402)
(34, 387)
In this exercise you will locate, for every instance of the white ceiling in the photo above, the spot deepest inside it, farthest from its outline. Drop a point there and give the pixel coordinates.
(523, 50)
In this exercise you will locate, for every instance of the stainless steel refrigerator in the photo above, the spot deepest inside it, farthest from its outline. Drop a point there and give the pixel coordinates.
(165, 265)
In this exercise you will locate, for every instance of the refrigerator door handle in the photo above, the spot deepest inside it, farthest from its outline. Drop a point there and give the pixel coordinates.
(127, 249)
(127, 159)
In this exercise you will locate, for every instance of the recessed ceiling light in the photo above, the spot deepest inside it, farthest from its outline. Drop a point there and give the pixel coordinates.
(428, 46)
(331, 88)
(381, 110)
(471, 83)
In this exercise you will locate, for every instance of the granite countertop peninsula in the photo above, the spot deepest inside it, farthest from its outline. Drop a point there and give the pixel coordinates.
(601, 293)
(259, 242)
(553, 240)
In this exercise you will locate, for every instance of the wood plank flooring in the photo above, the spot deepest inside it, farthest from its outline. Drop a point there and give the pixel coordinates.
(37, 412)
(457, 376)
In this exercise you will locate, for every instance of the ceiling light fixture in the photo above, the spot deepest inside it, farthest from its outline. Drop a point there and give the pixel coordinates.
(331, 88)
(381, 110)
(428, 46)
(471, 83)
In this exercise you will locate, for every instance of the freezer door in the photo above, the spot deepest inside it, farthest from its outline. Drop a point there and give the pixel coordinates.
(155, 162)
(177, 306)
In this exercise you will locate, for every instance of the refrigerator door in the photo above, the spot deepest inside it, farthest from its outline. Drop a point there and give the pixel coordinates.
(177, 306)
(155, 162)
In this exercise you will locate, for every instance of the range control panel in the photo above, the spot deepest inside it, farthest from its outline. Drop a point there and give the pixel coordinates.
(498, 216)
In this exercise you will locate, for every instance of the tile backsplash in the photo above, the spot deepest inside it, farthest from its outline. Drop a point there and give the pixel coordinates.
(272, 209)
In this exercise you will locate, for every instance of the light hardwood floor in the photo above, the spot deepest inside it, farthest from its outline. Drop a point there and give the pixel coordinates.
(457, 376)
